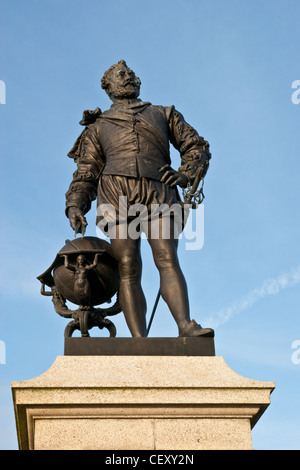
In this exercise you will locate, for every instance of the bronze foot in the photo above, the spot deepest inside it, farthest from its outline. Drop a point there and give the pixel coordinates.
(193, 329)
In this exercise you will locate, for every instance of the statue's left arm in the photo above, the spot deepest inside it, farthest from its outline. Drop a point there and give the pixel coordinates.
(194, 150)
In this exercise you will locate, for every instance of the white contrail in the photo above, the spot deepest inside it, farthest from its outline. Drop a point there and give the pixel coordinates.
(269, 287)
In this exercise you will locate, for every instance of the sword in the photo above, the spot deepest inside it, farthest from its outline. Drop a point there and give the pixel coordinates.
(153, 311)
(192, 195)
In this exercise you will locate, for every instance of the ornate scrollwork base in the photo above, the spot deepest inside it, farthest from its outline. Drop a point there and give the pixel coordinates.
(85, 317)
(85, 320)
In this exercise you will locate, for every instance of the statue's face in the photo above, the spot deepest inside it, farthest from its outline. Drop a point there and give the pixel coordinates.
(124, 84)
(81, 260)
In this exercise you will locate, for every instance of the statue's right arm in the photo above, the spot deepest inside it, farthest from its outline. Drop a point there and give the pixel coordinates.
(83, 188)
(67, 264)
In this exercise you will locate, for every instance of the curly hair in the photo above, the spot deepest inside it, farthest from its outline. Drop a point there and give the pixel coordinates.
(106, 76)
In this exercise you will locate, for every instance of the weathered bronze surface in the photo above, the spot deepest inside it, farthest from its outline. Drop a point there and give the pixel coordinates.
(124, 151)
(123, 154)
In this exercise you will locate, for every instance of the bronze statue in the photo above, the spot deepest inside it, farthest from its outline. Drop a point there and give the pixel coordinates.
(124, 152)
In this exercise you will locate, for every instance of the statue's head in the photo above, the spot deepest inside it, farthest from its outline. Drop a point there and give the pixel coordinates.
(120, 82)
(81, 260)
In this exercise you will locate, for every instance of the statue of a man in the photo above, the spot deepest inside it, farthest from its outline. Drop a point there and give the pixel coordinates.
(124, 152)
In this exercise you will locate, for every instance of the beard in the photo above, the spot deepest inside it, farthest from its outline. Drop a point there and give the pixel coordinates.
(128, 91)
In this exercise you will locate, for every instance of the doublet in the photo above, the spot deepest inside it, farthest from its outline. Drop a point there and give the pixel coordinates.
(132, 140)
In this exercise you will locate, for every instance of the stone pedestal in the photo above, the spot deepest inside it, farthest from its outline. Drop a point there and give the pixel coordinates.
(138, 403)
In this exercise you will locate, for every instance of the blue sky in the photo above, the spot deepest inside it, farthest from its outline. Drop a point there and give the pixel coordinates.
(228, 66)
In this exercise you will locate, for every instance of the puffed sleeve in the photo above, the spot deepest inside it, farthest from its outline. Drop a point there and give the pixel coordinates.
(88, 155)
(194, 150)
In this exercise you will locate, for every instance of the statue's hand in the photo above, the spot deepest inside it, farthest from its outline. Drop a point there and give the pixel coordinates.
(77, 220)
(173, 177)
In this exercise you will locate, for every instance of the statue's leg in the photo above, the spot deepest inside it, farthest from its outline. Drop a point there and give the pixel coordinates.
(173, 286)
(83, 322)
(131, 296)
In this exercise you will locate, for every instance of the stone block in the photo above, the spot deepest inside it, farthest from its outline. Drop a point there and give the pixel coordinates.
(138, 403)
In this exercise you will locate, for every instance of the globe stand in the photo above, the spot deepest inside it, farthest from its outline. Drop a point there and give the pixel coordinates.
(85, 317)
(72, 276)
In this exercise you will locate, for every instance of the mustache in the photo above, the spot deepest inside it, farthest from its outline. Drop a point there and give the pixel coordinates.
(131, 82)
